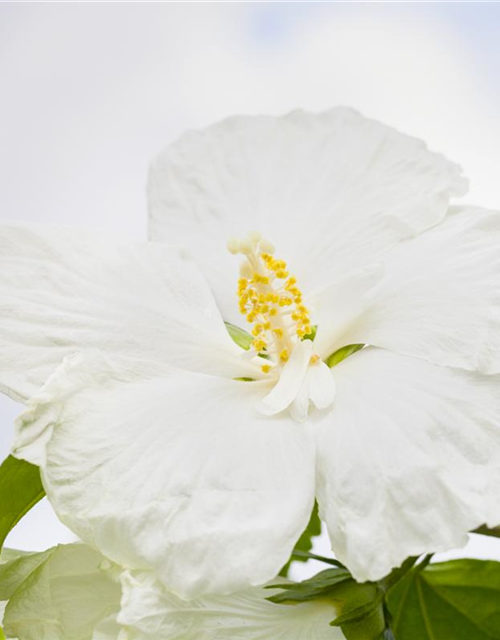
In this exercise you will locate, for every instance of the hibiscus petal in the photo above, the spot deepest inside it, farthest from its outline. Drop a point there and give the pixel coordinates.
(408, 461)
(332, 191)
(440, 297)
(337, 306)
(321, 385)
(181, 474)
(290, 380)
(108, 630)
(149, 612)
(317, 387)
(64, 598)
(147, 305)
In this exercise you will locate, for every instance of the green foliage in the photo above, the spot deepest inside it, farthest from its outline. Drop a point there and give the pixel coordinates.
(242, 338)
(493, 532)
(320, 586)
(342, 354)
(20, 489)
(2, 636)
(305, 541)
(457, 600)
(359, 606)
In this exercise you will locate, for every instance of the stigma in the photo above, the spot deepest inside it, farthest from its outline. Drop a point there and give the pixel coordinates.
(270, 300)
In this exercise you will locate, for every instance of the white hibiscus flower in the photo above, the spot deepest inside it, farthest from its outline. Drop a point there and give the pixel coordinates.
(72, 592)
(154, 450)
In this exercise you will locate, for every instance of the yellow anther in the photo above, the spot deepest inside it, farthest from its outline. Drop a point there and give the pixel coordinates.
(266, 368)
(281, 274)
(315, 358)
(257, 278)
(259, 344)
(270, 300)
(258, 329)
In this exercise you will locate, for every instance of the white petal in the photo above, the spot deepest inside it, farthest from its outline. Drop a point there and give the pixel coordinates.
(299, 409)
(149, 612)
(61, 291)
(15, 567)
(181, 475)
(440, 297)
(337, 306)
(108, 629)
(65, 598)
(332, 191)
(290, 381)
(408, 460)
(321, 385)
(317, 387)
(2, 612)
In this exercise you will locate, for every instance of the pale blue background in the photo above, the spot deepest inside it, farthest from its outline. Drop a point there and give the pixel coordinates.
(90, 92)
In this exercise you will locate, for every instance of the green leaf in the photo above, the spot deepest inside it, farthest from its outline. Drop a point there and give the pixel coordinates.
(360, 607)
(397, 574)
(317, 587)
(342, 354)
(2, 636)
(306, 555)
(305, 541)
(456, 600)
(493, 532)
(242, 338)
(20, 489)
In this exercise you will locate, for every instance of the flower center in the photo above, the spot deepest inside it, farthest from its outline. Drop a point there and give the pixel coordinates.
(272, 303)
(270, 300)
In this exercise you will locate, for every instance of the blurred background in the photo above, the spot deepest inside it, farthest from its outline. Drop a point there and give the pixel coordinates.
(89, 93)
